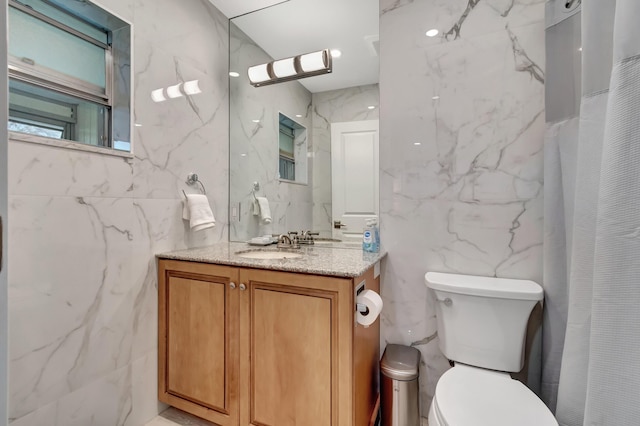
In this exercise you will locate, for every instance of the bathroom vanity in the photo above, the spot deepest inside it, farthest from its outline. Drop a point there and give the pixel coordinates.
(268, 342)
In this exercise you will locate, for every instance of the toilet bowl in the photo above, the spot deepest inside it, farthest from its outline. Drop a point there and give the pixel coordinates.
(471, 396)
(482, 328)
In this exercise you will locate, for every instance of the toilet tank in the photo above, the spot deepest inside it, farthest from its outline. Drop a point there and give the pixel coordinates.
(482, 321)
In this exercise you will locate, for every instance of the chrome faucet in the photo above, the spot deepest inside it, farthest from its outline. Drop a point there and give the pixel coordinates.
(306, 237)
(285, 241)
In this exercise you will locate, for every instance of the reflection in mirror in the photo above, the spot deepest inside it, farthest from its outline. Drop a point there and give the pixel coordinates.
(292, 142)
(349, 94)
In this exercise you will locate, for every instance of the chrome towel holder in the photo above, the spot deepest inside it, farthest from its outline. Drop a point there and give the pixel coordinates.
(192, 179)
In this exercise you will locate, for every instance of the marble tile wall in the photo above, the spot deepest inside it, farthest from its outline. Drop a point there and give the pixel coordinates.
(255, 150)
(335, 106)
(84, 228)
(468, 199)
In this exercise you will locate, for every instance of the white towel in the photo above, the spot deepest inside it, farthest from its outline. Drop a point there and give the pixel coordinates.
(198, 212)
(265, 211)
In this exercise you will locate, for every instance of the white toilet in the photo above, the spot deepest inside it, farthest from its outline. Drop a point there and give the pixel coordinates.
(482, 326)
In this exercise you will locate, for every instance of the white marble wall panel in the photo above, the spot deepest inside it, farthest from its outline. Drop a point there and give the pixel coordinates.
(468, 198)
(334, 106)
(254, 147)
(85, 228)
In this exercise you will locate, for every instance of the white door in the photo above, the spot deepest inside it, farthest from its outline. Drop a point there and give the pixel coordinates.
(354, 177)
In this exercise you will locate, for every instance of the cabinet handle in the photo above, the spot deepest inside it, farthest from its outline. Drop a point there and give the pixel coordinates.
(243, 287)
(232, 285)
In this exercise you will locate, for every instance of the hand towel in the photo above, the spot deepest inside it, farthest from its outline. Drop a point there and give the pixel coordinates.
(265, 211)
(198, 212)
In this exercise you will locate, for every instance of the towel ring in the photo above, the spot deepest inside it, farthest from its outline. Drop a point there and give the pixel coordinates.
(192, 178)
(256, 187)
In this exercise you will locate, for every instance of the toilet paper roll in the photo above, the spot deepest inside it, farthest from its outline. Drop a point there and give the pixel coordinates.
(373, 302)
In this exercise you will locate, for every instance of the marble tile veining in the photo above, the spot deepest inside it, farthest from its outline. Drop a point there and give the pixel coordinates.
(85, 227)
(339, 262)
(468, 199)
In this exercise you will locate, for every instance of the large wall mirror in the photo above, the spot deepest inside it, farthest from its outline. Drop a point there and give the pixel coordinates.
(327, 180)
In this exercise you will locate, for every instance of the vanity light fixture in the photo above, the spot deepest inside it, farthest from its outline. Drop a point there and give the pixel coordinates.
(435, 98)
(417, 143)
(432, 32)
(234, 74)
(301, 66)
(191, 87)
(158, 95)
(371, 107)
(299, 115)
(174, 91)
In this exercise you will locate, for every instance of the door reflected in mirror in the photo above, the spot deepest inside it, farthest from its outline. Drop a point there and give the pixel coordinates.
(294, 166)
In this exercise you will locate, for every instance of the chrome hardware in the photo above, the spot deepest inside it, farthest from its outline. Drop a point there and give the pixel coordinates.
(192, 179)
(447, 301)
(232, 285)
(288, 241)
(306, 237)
(337, 224)
(243, 287)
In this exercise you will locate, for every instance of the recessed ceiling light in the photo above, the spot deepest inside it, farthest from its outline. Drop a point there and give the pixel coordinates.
(243, 155)
(432, 32)
(580, 49)
(335, 53)
(298, 115)
(256, 121)
(435, 98)
(234, 74)
(371, 107)
(138, 125)
(417, 143)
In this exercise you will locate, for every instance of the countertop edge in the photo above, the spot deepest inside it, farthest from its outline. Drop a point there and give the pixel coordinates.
(184, 255)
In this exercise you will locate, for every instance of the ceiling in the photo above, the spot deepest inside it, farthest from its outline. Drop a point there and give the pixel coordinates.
(301, 26)
(233, 8)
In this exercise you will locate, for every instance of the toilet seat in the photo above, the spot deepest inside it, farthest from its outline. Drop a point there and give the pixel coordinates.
(472, 396)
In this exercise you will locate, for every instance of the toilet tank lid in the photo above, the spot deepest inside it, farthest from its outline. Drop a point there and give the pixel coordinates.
(500, 288)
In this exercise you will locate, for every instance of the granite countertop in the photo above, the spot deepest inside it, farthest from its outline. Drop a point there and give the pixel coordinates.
(331, 260)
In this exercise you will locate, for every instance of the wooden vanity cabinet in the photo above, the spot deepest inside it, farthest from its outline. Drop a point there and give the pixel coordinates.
(198, 360)
(279, 349)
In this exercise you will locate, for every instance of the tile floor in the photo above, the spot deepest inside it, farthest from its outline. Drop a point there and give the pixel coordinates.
(175, 417)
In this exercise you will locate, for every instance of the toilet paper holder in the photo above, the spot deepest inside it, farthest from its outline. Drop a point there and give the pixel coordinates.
(361, 307)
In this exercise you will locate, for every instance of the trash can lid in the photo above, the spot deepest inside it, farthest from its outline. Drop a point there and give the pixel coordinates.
(400, 362)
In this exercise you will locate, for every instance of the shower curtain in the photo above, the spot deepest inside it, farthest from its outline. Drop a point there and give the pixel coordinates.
(591, 342)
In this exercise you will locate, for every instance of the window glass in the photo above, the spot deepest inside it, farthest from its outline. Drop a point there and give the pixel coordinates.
(62, 52)
(63, 84)
(68, 18)
(43, 112)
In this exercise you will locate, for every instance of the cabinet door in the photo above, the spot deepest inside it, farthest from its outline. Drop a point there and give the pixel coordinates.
(291, 344)
(198, 340)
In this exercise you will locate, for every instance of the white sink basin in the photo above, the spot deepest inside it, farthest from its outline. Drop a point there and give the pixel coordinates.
(266, 254)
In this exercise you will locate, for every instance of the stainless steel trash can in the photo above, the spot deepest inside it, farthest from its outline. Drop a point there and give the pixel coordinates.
(399, 390)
